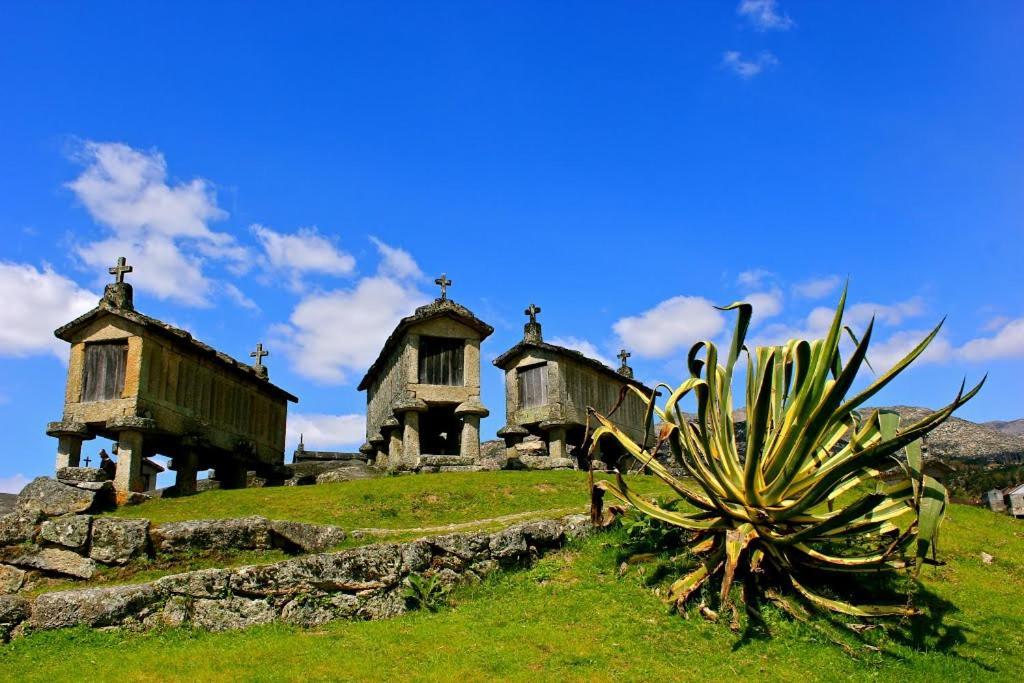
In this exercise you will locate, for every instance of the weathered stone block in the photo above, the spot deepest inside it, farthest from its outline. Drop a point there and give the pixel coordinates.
(416, 556)
(71, 531)
(464, 546)
(56, 561)
(13, 610)
(92, 607)
(443, 460)
(231, 613)
(96, 486)
(508, 546)
(382, 605)
(116, 541)
(545, 533)
(308, 538)
(365, 568)
(533, 462)
(11, 579)
(79, 474)
(316, 609)
(18, 526)
(52, 498)
(203, 583)
(246, 533)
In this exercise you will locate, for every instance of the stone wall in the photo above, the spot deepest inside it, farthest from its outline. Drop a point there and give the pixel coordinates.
(367, 582)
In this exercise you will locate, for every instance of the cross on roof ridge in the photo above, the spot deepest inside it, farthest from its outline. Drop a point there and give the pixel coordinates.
(445, 283)
(120, 269)
(623, 355)
(532, 310)
(259, 354)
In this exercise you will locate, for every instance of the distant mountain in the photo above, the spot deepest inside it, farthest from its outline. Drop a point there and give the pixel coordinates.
(958, 439)
(1015, 427)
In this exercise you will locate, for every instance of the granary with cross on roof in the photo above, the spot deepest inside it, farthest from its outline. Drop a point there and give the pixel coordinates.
(155, 389)
(423, 405)
(548, 389)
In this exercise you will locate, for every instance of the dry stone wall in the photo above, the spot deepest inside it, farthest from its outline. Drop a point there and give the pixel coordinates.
(367, 582)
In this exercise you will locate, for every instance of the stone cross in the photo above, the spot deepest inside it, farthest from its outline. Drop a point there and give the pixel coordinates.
(532, 310)
(623, 355)
(88, 460)
(120, 269)
(445, 283)
(259, 354)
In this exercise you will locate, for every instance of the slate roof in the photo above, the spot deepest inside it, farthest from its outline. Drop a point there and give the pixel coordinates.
(177, 336)
(504, 361)
(439, 308)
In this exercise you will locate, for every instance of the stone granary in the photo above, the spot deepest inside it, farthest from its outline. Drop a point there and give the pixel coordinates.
(154, 389)
(423, 406)
(548, 389)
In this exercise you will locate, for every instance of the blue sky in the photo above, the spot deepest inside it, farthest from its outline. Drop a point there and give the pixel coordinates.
(300, 177)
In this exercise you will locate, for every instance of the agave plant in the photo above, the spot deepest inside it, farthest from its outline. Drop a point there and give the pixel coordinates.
(805, 503)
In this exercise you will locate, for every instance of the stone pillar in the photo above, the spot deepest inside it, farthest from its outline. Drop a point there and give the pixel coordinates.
(470, 436)
(512, 434)
(556, 443)
(129, 464)
(410, 439)
(471, 410)
(69, 451)
(394, 454)
(186, 465)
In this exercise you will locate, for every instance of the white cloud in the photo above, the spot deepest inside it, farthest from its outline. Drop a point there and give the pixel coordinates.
(753, 277)
(396, 262)
(995, 323)
(815, 325)
(13, 484)
(885, 354)
(239, 297)
(889, 314)
(161, 227)
(764, 15)
(1008, 342)
(326, 432)
(750, 67)
(306, 251)
(816, 288)
(330, 334)
(674, 323)
(766, 304)
(584, 347)
(36, 303)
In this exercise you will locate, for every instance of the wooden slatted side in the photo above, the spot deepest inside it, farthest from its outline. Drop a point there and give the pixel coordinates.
(104, 371)
(533, 386)
(441, 361)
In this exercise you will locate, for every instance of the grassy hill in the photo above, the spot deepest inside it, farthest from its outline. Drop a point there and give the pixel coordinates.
(570, 617)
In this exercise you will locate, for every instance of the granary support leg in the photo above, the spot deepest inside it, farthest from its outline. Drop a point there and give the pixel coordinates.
(69, 451)
(410, 452)
(128, 477)
(556, 443)
(186, 466)
(470, 436)
(393, 458)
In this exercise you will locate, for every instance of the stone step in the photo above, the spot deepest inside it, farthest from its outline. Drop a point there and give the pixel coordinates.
(446, 461)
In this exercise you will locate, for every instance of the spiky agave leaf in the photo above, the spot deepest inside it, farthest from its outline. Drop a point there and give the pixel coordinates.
(792, 499)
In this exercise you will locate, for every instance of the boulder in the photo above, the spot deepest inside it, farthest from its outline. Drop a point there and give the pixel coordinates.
(546, 533)
(115, 541)
(70, 531)
(13, 611)
(11, 579)
(18, 526)
(92, 606)
(508, 546)
(52, 498)
(308, 538)
(79, 474)
(231, 613)
(310, 610)
(245, 533)
(56, 561)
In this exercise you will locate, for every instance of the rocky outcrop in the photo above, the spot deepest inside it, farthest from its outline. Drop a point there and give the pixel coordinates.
(11, 579)
(958, 439)
(116, 541)
(361, 583)
(18, 526)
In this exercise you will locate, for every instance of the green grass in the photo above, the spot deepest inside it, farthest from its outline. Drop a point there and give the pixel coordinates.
(388, 503)
(572, 618)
